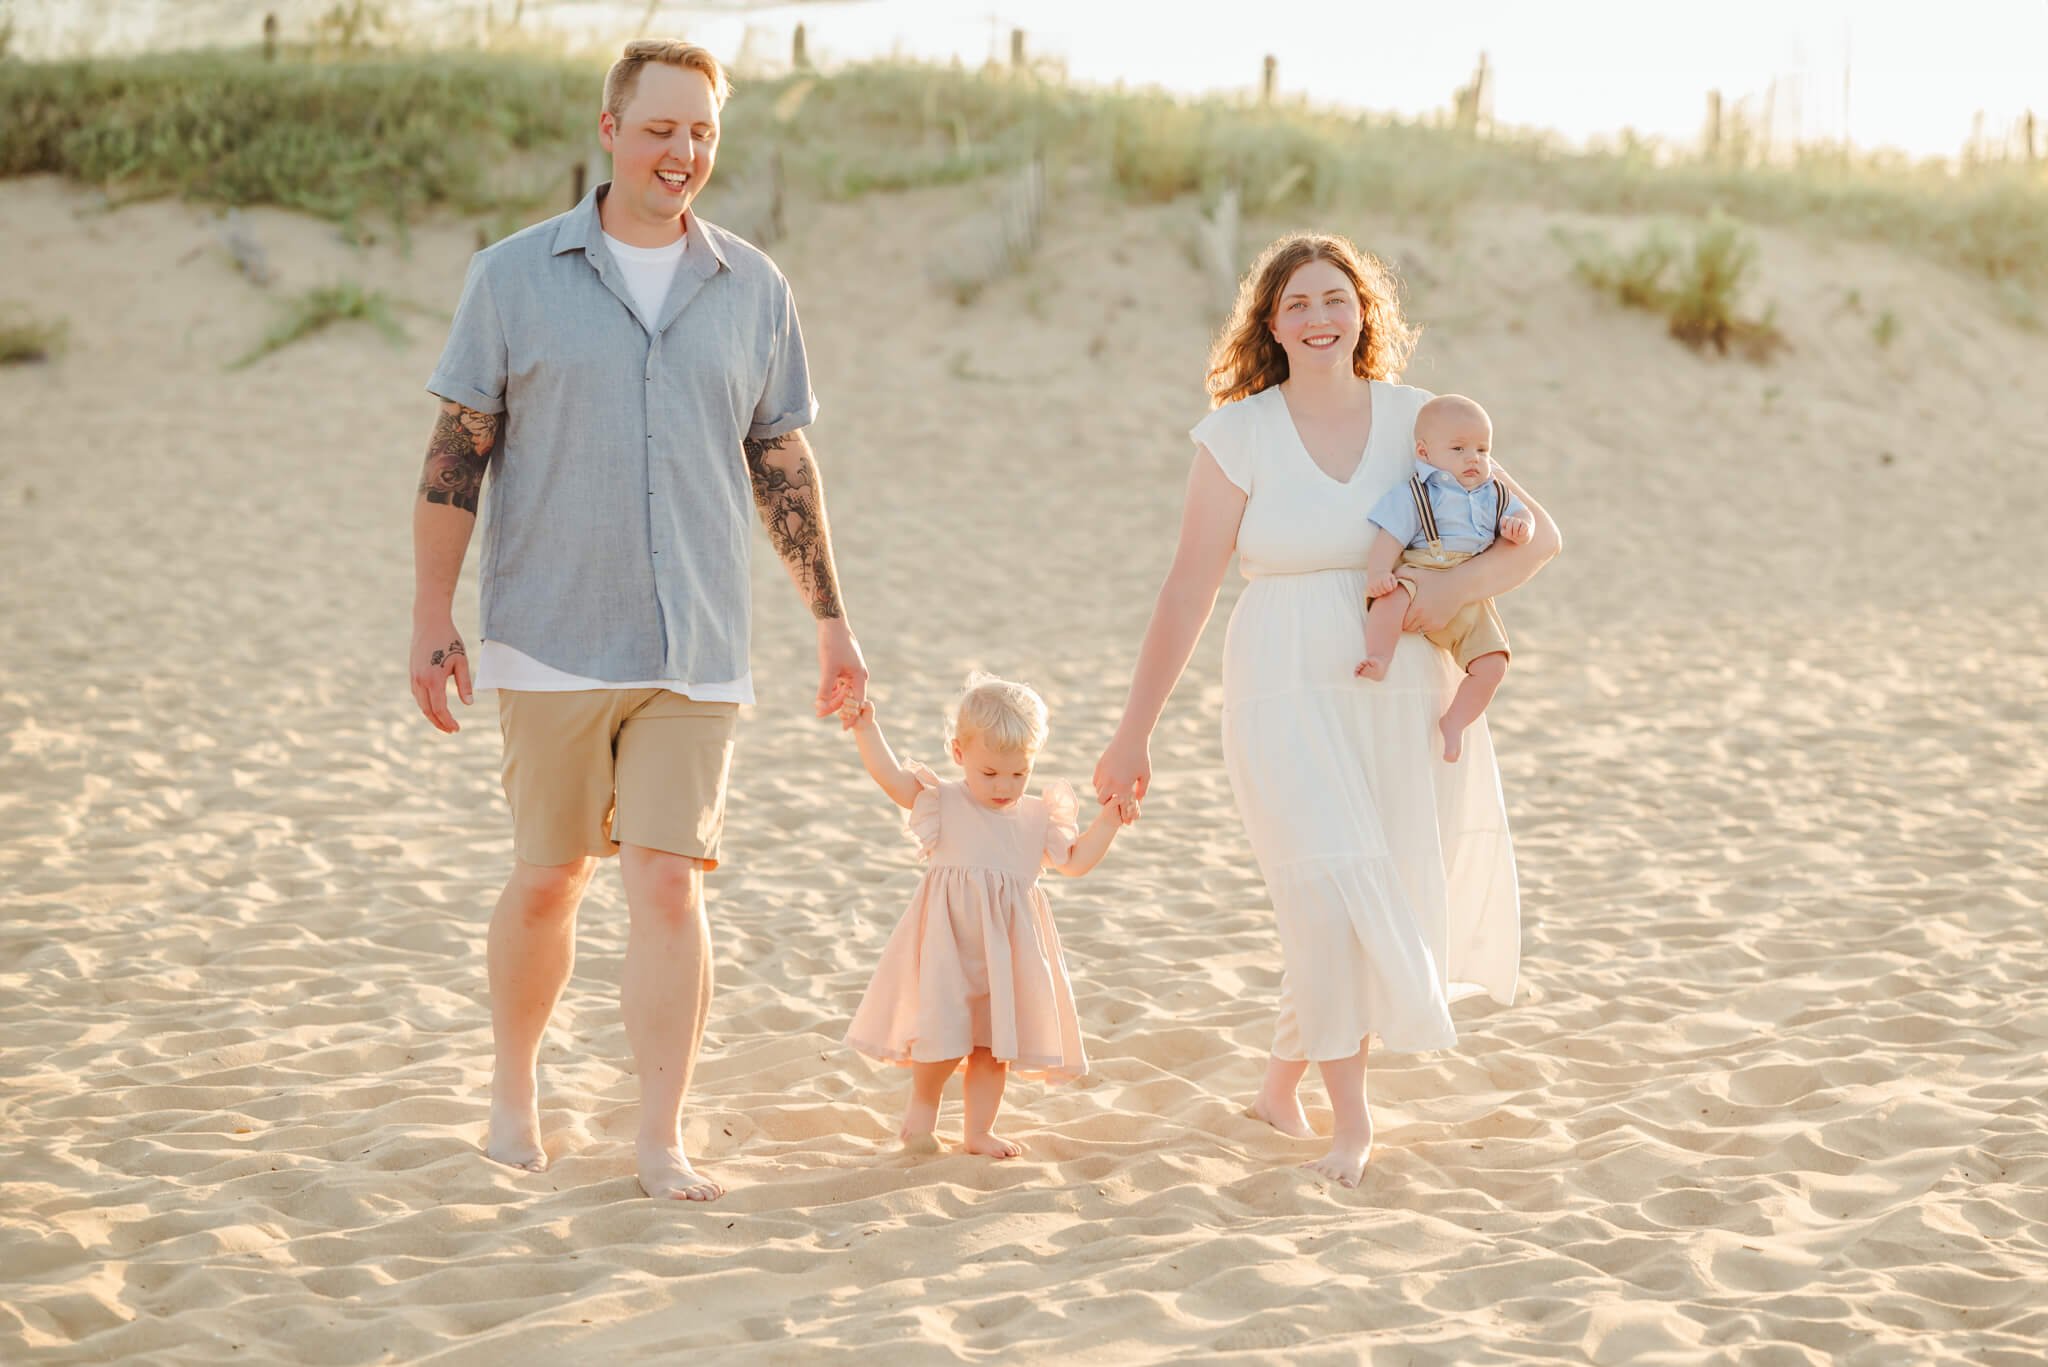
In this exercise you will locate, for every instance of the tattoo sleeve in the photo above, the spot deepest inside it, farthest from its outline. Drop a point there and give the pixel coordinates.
(792, 503)
(457, 456)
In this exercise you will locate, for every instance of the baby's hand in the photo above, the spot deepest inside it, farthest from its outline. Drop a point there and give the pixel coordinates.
(1115, 807)
(1518, 529)
(1382, 586)
(855, 712)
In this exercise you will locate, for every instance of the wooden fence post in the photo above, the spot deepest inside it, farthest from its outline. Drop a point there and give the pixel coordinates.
(270, 37)
(1714, 125)
(576, 175)
(1017, 48)
(799, 56)
(1267, 79)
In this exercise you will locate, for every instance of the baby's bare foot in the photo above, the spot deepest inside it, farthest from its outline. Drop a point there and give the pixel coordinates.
(1345, 1163)
(514, 1135)
(1454, 740)
(1371, 668)
(993, 1145)
(920, 1143)
(1284, 1115)
(666, 1174)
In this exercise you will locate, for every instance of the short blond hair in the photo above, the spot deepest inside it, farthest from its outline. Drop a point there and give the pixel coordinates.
(1010, 718)
(624, 77)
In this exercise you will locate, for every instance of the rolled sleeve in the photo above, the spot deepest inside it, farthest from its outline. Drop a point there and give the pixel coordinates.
(471, 371)
(1395, 515)
(786, 401)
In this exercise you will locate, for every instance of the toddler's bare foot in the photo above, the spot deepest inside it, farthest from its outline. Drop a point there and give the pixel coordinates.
(1454, 740)
(667, 1175)
(1371, 668)
(1284, 1114)
(514, 1134)
(993, 1145)
(920, 1118)
(1345, 1163)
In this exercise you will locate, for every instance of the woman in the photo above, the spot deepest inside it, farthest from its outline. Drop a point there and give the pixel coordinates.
(1391, 872)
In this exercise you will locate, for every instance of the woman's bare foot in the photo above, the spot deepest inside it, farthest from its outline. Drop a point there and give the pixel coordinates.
(1454, 740)
(1345, 1163)
(666, 1174)
(514, 1134)
(993, 1145)
(1283, 1114)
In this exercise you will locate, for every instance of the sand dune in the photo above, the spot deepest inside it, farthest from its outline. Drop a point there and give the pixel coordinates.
(1771, 1091)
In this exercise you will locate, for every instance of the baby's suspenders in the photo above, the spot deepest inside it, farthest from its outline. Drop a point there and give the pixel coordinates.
(1427, 514)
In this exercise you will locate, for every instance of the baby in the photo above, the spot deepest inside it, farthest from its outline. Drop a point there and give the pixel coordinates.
(974, 968)
(1450, 509)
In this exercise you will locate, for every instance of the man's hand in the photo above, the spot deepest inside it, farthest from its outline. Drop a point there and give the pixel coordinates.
(842, 673)
(438, 654)
(1431, 603)
(1518, 529)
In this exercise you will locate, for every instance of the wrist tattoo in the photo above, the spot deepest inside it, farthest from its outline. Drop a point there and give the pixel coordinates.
(457, 455)
(793, 511)
(454, 649)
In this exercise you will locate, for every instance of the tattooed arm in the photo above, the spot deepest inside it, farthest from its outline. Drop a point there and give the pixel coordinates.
(791, 498)
(442, 519)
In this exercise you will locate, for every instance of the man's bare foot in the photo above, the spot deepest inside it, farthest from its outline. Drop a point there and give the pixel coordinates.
(1374, 669)
(1284, 1115)
(993, 1145)
(514, 1135)
(666, 1174)
(1345, 1163)
(1454, 740)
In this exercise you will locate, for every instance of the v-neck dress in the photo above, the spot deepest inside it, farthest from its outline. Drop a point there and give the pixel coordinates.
(1391, 873)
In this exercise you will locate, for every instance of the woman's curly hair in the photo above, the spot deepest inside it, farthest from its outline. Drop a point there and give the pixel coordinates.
(1247, 357)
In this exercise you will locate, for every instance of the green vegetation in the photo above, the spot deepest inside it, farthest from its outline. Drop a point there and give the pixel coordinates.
(1701, 302)
(30, 339)
(316, 309)
(341, 135)
(1885, 330)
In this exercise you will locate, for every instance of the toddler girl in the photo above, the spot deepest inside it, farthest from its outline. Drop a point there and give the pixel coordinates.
(974, 968)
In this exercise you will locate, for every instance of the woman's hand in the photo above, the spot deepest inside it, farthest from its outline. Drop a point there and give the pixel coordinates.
(1124, 773)
(1432, 601)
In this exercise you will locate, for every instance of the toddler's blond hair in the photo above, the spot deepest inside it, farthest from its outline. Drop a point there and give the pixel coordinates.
(1008, 717)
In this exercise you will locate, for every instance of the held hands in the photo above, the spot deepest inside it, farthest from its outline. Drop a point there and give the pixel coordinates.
(1123, 775)
(842, 673)
(437, 656)
(1518, 529)
(856, 713)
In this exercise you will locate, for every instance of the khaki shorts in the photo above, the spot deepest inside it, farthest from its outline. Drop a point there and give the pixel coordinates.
(590, 770)
(1477, 629)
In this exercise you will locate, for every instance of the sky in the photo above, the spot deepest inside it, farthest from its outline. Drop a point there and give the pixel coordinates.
(1912, 76)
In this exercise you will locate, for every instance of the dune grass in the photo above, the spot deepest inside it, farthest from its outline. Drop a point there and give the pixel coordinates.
(1696, 286)
(26, 339)
(478, 131)
(318, 308)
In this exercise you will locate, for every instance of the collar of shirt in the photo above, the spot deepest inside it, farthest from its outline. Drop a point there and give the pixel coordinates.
(583, 231)
(1424, 471)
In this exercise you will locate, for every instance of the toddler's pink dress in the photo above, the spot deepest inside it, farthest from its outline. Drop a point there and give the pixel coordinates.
(975, 962)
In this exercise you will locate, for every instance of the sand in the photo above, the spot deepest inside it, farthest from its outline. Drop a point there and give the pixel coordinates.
(1771, 1089)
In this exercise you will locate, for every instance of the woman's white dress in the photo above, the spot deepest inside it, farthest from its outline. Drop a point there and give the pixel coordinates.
(1391, 872)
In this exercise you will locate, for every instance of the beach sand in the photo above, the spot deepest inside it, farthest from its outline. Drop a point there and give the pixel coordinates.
(1771, 1090)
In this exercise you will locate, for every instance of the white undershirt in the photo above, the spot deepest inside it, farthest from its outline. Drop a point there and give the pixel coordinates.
(649, 271)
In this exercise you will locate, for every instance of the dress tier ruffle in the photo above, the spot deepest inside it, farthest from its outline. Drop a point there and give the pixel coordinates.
(975, 961)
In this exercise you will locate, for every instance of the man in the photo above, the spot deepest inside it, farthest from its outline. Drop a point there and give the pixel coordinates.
(629, 375)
